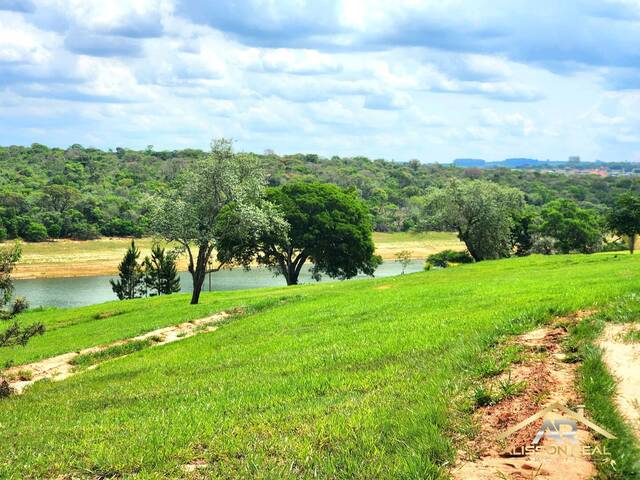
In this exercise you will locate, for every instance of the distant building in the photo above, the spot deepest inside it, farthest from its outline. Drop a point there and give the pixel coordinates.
(574, 159)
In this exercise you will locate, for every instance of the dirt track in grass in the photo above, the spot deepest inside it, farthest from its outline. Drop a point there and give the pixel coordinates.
(548, 380)
(61, 367)
(622, 358)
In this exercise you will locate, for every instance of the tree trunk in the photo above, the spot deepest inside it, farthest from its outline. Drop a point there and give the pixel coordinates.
(470, 248)
(199, 272)
(291, 267)
(632, 243)
(198, 280)
(292, 275)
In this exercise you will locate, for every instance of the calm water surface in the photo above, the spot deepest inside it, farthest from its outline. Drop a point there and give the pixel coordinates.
(78, 291)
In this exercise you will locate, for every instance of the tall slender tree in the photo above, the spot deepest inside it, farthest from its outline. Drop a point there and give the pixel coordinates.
(130, 283)
(216, 205)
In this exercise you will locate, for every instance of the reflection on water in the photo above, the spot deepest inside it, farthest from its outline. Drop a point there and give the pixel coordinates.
(74, 292)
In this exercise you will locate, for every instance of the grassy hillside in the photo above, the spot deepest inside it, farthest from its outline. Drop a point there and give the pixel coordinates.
(366, 379)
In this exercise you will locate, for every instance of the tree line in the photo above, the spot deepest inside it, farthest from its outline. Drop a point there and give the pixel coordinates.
(84, 193)
(494, 221)
(222, 213)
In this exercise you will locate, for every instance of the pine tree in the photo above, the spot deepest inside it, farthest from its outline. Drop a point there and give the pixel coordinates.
(160, 272)
(130, 284)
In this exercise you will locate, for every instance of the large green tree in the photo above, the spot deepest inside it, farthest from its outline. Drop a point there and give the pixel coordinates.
(481, 212)
(329, 227)
(218, 205)
(572, 227)
(624, 217)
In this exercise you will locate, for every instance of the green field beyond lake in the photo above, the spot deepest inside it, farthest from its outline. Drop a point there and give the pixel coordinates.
(366, 379)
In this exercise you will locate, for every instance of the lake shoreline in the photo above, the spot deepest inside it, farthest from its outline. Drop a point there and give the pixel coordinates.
(90, 290)
(89, 258)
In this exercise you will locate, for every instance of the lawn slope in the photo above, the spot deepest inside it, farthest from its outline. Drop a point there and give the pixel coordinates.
(365, 379)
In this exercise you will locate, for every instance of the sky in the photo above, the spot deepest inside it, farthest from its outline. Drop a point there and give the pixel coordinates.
(403, 79)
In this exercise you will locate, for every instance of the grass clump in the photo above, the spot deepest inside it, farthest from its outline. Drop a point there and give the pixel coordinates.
(107, 314)
(490, 394)
(632, 336)
(22, 375)
(446, 257)
(496, 361)
(87, 359)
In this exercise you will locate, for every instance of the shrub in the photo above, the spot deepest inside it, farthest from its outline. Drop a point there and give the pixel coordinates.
(615, 246)
(20, 304)
(35, 232)
(83, 231)
(444, 258)
(544, 246)
(117, 227)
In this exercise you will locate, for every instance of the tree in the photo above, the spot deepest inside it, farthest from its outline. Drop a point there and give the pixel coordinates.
(216, 204)
(624, 218)
(523, 233)
(35, 232)
(15, 334)
(481, 212)
(160, 272)
(403, 257)
(130, 283)
(572, 227)
(329, 227)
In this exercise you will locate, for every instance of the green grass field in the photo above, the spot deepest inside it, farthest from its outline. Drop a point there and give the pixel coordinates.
(365, 379)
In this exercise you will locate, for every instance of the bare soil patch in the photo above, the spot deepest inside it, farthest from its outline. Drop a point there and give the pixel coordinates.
(548, 380)
(623, 361)
(61, 367)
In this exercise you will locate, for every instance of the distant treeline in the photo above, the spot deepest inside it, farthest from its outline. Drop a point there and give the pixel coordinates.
(83, 193)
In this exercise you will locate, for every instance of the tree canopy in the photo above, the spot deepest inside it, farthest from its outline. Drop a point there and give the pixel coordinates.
(624, 217)
(481, 212)
(327, 226)
(572, 227)
(216, 204)
(82, 193)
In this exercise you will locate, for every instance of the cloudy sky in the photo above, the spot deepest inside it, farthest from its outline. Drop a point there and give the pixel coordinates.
(433, 80)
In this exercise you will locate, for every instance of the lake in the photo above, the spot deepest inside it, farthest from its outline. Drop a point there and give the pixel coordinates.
(79, 291)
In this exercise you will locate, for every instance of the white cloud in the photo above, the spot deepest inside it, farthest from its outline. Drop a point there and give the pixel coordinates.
(433, 80)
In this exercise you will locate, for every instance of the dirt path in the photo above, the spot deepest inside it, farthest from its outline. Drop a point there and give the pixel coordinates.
(549, 380)
(61, 367)
(623, 361)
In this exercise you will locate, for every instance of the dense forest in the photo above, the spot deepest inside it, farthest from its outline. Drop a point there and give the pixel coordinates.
(83, 193)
